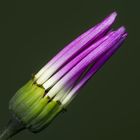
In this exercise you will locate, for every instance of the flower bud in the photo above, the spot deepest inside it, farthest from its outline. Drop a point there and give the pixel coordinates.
(51, 90)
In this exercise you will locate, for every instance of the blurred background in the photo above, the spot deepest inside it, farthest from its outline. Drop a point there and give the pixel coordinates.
(32, 32)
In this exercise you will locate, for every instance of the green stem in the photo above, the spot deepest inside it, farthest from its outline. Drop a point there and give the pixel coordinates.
(14, 126)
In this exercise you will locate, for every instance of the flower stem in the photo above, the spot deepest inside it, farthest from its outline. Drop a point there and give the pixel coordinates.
(13, 127)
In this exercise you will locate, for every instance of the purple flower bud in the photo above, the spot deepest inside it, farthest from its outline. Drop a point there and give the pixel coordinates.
(51, 90)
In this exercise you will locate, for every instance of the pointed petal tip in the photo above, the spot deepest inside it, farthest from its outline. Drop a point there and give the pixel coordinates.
(111, 18)
(121, 30)
(125, 35)
(114, 14)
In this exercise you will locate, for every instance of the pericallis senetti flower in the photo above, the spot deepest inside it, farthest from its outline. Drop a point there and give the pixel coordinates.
(51, 90)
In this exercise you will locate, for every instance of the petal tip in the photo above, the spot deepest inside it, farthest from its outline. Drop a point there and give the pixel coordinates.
(111, 18)
(125, 35)
(121, 30)
(114, 14)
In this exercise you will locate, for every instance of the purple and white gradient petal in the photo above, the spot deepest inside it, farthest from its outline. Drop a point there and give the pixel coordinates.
(73, 75)
(70, 96)
(50, 82)
(65, 74)
(74, 48)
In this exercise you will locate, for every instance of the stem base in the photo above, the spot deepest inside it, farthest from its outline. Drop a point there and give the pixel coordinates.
(13, 127)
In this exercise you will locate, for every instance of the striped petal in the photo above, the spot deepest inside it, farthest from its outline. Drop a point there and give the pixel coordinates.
(75, 48)
(65, 101)
(91, 58)
(49, 83)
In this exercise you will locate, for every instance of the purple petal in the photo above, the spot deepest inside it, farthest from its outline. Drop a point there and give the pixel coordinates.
(72, 63)
(62, 52)
(76, 71)
(75, 48)
(92, 71)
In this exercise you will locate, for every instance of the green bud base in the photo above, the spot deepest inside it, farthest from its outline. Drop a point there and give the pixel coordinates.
(34, 110)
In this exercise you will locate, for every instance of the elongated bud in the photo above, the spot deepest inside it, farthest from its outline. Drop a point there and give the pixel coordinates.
(50, 91)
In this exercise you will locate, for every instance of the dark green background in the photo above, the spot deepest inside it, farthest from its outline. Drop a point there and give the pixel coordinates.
(31, 32)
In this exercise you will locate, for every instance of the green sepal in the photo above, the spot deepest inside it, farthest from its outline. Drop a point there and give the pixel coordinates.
(25, 98)
(34, 110)
(50, 110)
(49, 118)
(21, 94)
